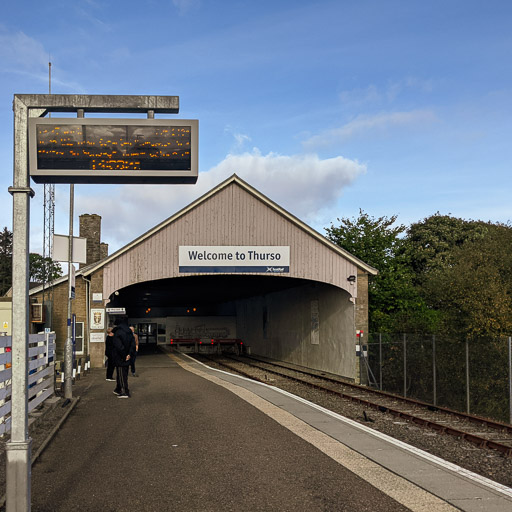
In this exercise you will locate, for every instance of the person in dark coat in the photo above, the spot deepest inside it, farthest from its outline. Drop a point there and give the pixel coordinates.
(109, 345)
(123, 350)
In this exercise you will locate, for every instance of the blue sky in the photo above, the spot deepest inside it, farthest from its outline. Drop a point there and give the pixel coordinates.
(394, 107)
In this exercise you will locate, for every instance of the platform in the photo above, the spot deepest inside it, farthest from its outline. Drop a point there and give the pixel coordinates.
(193, 438)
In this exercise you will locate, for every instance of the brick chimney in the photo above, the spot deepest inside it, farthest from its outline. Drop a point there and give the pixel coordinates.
(90, 228)
(103, 250)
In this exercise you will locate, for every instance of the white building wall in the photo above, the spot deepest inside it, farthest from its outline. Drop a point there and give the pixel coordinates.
(288, 335)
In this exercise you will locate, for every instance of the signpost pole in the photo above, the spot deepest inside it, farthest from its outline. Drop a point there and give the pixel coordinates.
(18, 449)
(68, 348)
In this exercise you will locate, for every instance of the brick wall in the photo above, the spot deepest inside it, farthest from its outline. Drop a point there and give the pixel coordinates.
(362, 302)
(90, 228)
(97, 350)
(79, 308)
(103, 250)
(361, 319)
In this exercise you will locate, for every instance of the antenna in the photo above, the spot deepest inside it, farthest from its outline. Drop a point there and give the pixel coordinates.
(48, 229)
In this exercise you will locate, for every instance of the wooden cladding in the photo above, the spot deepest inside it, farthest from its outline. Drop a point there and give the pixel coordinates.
(232, 216)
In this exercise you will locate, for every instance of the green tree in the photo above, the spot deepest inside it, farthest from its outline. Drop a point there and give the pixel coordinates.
(43, 269)
(430, 243)
(473, 288)
(394, 303)
(5, 260)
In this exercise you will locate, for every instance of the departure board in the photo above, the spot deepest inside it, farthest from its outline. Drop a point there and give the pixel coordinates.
(124, 151)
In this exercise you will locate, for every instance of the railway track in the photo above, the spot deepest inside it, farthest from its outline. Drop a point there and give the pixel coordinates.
(482, 432)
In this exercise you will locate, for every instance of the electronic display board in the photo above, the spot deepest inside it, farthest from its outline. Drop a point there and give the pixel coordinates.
(78, 150)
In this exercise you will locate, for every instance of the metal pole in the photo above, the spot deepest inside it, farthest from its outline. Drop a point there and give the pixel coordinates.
(467, 378)
(380, 361)
(405, 365)
(68, 348)
(18, 470)
(434, 373)
(510, 377)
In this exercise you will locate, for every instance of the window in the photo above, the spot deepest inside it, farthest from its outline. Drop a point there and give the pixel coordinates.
(79, 338)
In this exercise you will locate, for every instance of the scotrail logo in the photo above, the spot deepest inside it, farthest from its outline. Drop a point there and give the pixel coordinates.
(275, 269)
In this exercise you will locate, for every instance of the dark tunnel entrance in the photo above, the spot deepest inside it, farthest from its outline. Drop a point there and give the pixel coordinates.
(195, 307)
(301, 321)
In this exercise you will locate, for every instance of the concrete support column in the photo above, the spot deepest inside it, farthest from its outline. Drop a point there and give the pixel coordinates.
(18, 453)
(18, 476)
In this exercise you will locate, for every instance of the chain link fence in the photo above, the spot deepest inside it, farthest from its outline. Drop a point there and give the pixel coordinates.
(473, 376)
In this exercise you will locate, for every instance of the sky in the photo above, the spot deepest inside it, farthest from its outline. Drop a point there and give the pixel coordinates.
(327, 107)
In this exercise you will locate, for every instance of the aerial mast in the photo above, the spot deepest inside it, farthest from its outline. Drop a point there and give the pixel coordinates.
(48, 231)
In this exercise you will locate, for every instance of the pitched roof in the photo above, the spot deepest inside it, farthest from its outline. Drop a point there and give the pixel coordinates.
(89, 269)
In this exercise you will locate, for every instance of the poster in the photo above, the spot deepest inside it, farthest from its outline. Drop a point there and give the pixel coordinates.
(98, 319)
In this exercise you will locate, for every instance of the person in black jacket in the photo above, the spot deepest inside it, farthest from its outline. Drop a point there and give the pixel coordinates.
(109, 345)
(123, 350)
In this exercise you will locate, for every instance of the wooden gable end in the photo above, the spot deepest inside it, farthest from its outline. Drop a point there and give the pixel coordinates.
(233, 217)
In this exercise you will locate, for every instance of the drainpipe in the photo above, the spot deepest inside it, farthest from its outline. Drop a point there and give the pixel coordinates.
(88, 311)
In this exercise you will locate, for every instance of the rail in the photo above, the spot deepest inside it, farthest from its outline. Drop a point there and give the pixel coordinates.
(363, 397)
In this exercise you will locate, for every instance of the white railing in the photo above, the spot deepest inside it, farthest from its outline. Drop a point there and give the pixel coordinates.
(41, 378)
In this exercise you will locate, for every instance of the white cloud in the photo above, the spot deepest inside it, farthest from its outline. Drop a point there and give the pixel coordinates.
(22, 53)
(384, 94)
(241, 139)
(363, 124)
(361, 96)
(184, 6)
(87, 15)
(305, 185)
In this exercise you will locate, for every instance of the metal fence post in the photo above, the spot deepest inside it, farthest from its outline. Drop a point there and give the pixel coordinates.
(467, 377)
(405, 365)
(380, 361)
(510, 377)
(434, 374)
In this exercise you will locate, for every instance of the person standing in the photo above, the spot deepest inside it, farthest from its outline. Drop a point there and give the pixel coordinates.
(109, 345)
(132, 360)
(123, 351)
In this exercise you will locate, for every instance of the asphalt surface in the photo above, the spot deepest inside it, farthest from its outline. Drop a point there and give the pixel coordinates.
(182, 443)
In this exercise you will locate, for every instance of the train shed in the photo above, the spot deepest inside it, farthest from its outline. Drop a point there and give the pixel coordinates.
(232, 265)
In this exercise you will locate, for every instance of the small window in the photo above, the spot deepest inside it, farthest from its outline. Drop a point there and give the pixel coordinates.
(79, 338)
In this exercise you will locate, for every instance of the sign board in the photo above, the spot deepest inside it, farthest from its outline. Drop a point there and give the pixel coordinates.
(92, 150)
(233, 259)
(204, 327)
(97, 297)
(97, 319)
(116, 311)
(73, 282)
(60, 249)
(97, 337)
